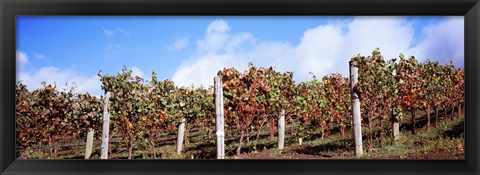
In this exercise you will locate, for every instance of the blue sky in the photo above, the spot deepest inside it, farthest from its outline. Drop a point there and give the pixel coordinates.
(190, 50)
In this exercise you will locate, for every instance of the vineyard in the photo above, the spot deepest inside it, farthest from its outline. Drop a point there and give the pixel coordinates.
(399, 98)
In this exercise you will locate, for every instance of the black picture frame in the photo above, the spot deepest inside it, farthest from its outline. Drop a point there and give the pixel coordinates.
(470, 9)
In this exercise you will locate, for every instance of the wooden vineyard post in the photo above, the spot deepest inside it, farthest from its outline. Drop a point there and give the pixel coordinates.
(396, 125)
(181, 131)
(219, 120)
(395, 119)
(89, 146)
(357, 127)
(281, 130)
(106, 127)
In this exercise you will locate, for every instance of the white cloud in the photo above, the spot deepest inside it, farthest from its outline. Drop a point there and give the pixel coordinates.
(112, 32)
(180, 44)
(391, 34)
(236, 41)
(215, 37)
(219, 26)
(442, 42)
(322, 50)
(318, 50)
(137, 72)
(38, 55)
(22, 58)
(52, 75)
(204, 70)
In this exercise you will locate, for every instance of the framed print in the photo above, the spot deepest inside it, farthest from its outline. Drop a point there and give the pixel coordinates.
(239, 87)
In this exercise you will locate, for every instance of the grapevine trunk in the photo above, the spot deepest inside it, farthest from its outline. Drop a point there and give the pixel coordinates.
(240, 143)
(413, 121)
(428, 117)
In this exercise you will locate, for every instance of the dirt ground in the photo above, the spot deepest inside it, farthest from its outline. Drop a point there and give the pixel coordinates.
(291, 154)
